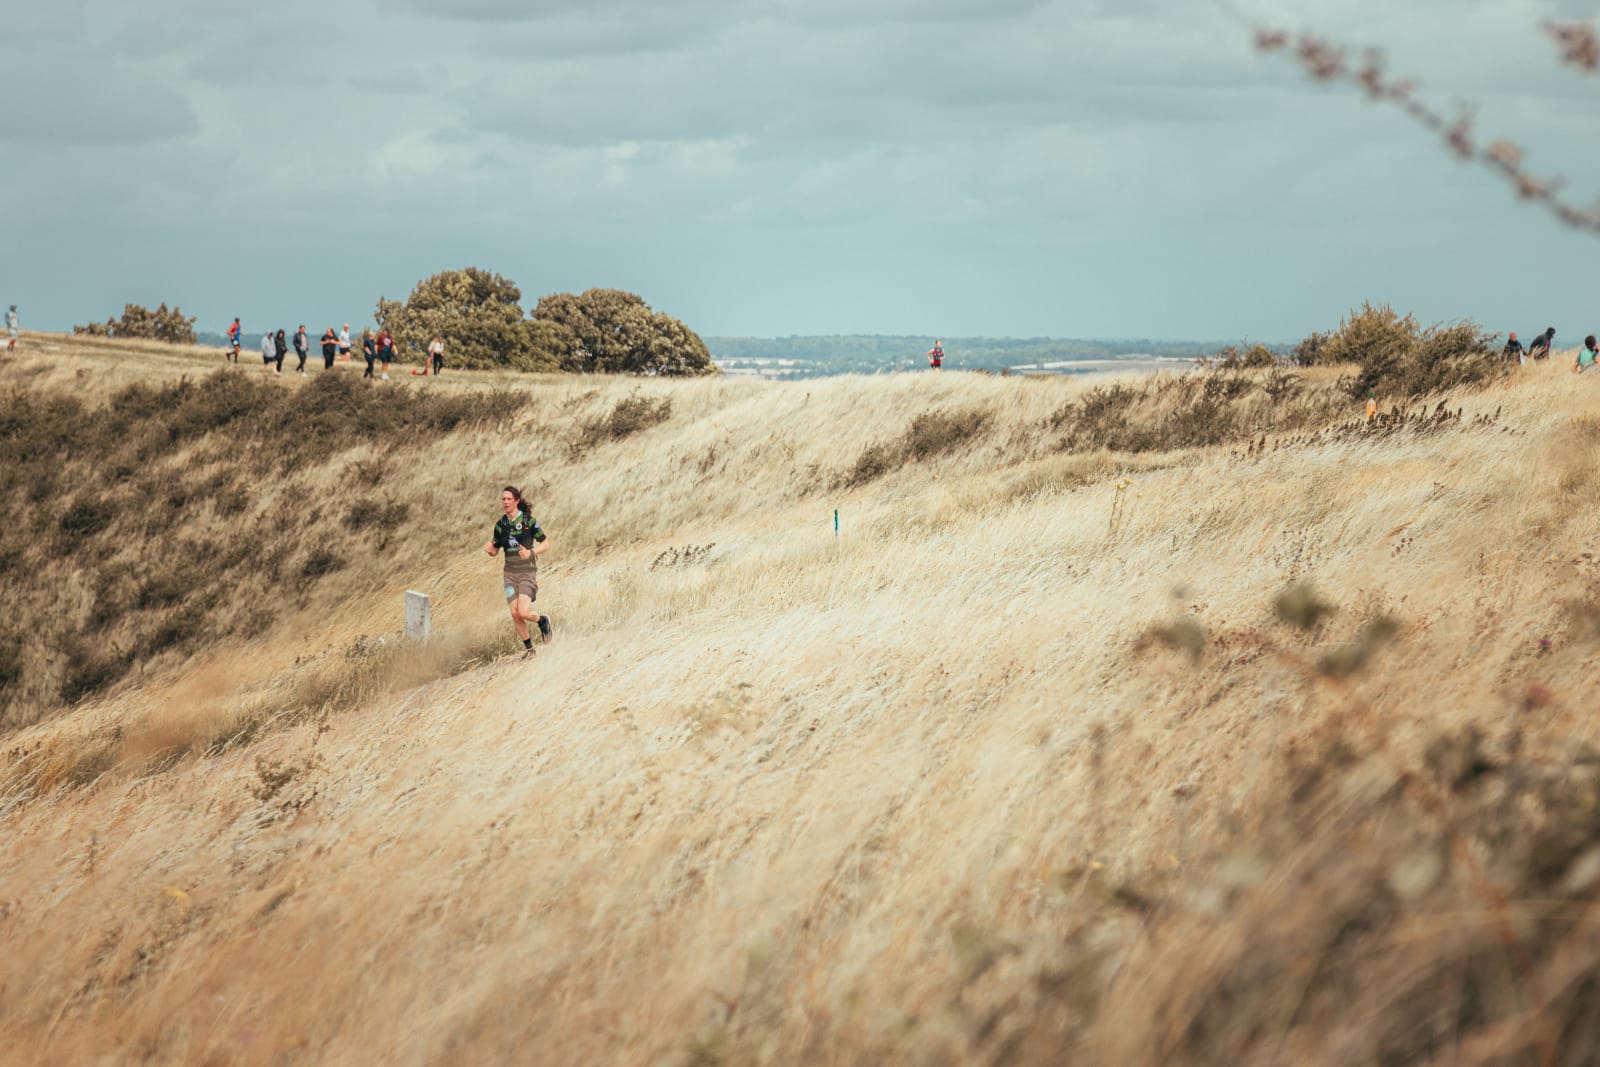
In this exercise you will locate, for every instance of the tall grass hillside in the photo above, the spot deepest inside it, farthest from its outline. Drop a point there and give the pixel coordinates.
(1167, 720)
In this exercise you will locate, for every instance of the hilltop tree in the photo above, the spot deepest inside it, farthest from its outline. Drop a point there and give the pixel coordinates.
(162, 324)
(478, 314)
(610, 331)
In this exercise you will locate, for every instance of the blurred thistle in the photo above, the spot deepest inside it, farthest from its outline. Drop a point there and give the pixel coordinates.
(1299, 606)
(1350, 659)
(1181, 635)
(1580, 44)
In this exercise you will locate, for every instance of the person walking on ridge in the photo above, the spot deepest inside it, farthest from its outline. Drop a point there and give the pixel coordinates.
(267, 350)
(435, 359)
(936, 355)
(235, 332)
(280, 347)
(1372, 406)
(1540, 348)
(385, 350)
(518, 535)
(369, 351)
(11, 328)
(302, 346)
(344, 344)
(330, 347)
(1586, 356)
(1513, 349)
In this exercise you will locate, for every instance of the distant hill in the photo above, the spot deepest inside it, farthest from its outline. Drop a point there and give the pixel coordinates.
(820, 356)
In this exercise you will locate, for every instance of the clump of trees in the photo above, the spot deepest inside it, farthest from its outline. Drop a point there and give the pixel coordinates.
(163, 324)
(610, 331)
(1396, 356)
(479, 316)
(1243, 357)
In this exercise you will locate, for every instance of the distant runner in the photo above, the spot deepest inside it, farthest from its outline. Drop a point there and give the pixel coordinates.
(369, 351)
(280, 348)
(11, 328)
(436, 355)
(1372, 406)
(330, 346)
(235, 332)
(344, 344)
(936, 355)
(268, 350)
(302, 346)
(518, 535)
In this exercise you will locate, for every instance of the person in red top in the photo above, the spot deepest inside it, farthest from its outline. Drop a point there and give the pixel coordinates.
(385, 350)
(936, 355)
(233, 338)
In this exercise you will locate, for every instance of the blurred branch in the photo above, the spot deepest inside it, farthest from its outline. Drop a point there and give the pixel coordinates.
(1325, 61)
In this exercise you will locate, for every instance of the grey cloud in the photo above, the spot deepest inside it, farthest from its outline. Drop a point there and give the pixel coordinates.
(855, 13)
(79, 100)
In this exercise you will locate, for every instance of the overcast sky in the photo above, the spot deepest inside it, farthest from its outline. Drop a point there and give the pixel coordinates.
(1071, 168)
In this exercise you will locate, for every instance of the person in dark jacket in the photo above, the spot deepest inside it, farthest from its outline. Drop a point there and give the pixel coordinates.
(330, 348)
(1513, 349)
(369, 351)
(302, 346)
(1540, 349)
(280, 345)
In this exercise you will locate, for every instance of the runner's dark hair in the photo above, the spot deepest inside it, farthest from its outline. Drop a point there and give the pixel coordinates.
(523, 505)
(1588, 342)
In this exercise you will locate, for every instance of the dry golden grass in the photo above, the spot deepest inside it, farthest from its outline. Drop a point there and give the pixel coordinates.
(923, 793)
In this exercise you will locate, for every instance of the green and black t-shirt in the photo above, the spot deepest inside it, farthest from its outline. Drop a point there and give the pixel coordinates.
(516, 531)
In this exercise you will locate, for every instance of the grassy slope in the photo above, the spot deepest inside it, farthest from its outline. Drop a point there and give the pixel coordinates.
(914, 794)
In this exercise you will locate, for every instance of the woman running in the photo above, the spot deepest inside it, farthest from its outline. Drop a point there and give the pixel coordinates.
(330, 345)
(436, 355)
(518, 535)
(369, 351)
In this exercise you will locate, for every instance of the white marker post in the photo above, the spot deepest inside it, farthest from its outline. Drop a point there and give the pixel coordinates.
(419, 623)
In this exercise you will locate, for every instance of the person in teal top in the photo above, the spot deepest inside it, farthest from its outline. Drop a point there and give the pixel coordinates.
(1586, 355)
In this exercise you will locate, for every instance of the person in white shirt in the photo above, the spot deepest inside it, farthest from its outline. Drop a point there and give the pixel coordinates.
(11, 329)
(269, 350)
(344, 344)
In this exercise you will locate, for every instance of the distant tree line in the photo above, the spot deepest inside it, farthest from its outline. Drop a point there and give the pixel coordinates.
(478, 315)
(162, 324)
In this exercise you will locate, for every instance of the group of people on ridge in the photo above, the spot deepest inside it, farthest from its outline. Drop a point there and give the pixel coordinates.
(376, 349)
(1539, 349)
